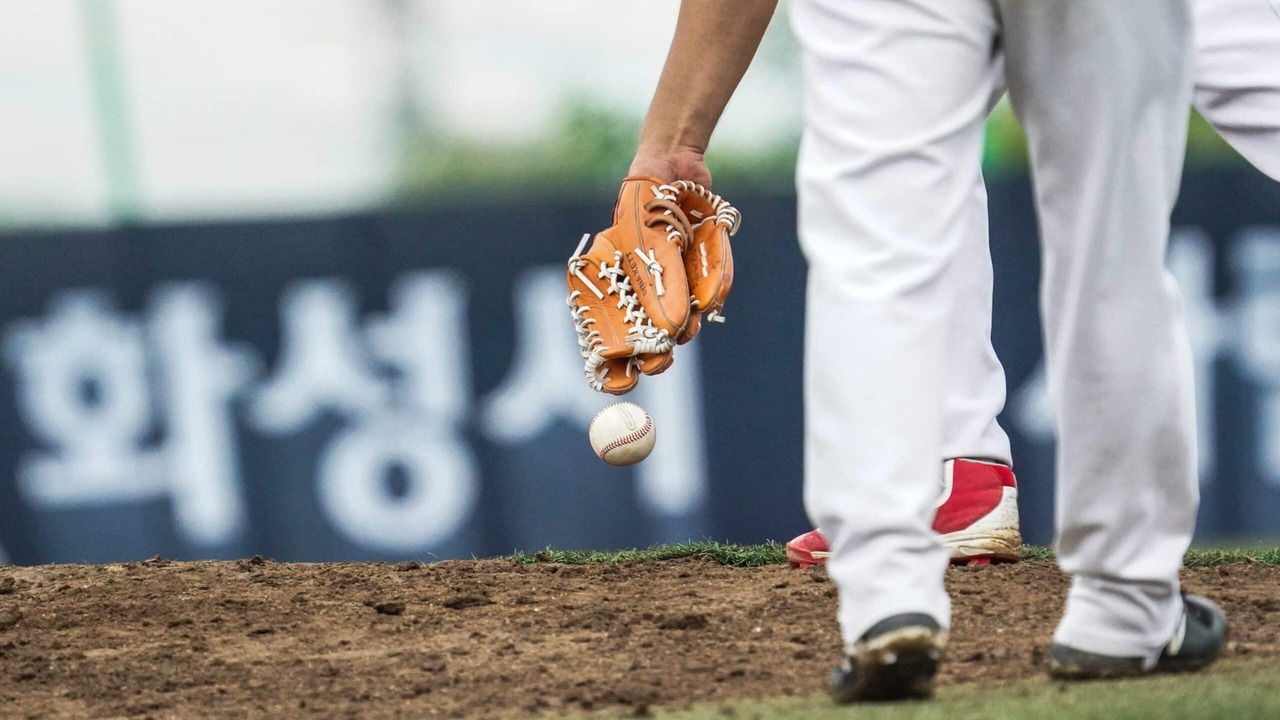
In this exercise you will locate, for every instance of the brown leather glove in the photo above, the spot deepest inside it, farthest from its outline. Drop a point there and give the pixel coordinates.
(647, 281)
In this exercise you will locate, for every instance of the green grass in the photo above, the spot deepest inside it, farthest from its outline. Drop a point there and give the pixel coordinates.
(1236, 691)
(1212, 557)
(770, 553)
(773, 553)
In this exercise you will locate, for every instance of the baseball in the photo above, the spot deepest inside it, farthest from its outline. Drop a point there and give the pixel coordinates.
(622, 434)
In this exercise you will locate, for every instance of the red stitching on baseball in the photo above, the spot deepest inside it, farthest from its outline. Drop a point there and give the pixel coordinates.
(644, 430)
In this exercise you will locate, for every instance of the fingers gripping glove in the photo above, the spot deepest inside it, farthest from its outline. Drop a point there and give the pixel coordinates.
(628, 293)
(708, 259)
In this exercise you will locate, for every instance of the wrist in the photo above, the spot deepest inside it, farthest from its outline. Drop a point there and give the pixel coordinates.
(671, 163)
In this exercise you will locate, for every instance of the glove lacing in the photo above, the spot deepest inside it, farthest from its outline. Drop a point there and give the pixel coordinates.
(678, 230)
(727, 216)
(642, 336)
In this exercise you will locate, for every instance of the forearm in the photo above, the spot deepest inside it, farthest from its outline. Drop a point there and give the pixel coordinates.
(714, 43)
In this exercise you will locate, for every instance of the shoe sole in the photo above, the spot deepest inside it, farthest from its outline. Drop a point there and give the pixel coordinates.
(993, 538)
(997, 551)
(984, 547)
(1074, 673)
(898, 665)
(804, 559)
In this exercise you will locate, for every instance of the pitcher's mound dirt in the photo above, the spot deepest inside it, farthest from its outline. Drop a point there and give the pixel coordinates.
(255, 639)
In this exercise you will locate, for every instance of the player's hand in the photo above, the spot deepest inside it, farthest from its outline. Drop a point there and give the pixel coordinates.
(682, 163)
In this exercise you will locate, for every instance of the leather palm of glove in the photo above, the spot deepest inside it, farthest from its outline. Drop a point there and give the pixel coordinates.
(647, 282)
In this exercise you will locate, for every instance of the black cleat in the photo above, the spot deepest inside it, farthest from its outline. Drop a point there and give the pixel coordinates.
(895, 660)
(1200, 636)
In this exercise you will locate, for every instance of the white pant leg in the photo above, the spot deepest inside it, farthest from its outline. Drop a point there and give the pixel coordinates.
(1237, 89)
(975, 383)
(1237, 75)
(1102, 88)
(895, 96)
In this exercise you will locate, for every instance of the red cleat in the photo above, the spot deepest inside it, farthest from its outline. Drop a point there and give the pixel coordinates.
(977, 517)
(808, 550)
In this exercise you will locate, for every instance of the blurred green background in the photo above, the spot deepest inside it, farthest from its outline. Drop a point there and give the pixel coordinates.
(137, 111)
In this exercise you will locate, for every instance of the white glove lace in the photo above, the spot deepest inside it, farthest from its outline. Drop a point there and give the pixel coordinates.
(726, 214)
(678, 230)
(642, 336)
(655, 269)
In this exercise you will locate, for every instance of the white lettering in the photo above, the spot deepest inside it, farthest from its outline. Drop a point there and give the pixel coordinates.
(545, 385)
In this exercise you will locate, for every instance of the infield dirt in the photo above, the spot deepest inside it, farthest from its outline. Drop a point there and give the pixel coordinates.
(490, 638)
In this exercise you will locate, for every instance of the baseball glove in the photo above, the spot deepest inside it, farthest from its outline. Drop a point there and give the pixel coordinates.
(645, 283)
(708, 259)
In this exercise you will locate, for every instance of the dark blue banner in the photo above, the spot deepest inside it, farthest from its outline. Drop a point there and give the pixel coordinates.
(384, 387)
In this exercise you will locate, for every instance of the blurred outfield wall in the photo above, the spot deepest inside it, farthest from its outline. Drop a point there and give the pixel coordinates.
(285, 278)
(379, 386)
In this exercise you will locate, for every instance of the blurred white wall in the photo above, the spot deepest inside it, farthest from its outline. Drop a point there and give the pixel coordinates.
(499, 68)
(267, 107)
(246, 106)
(233, 107)
(49, 166)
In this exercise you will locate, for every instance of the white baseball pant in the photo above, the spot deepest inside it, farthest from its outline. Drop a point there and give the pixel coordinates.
(1236, 88)
(892, 220)
(1237, 75)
